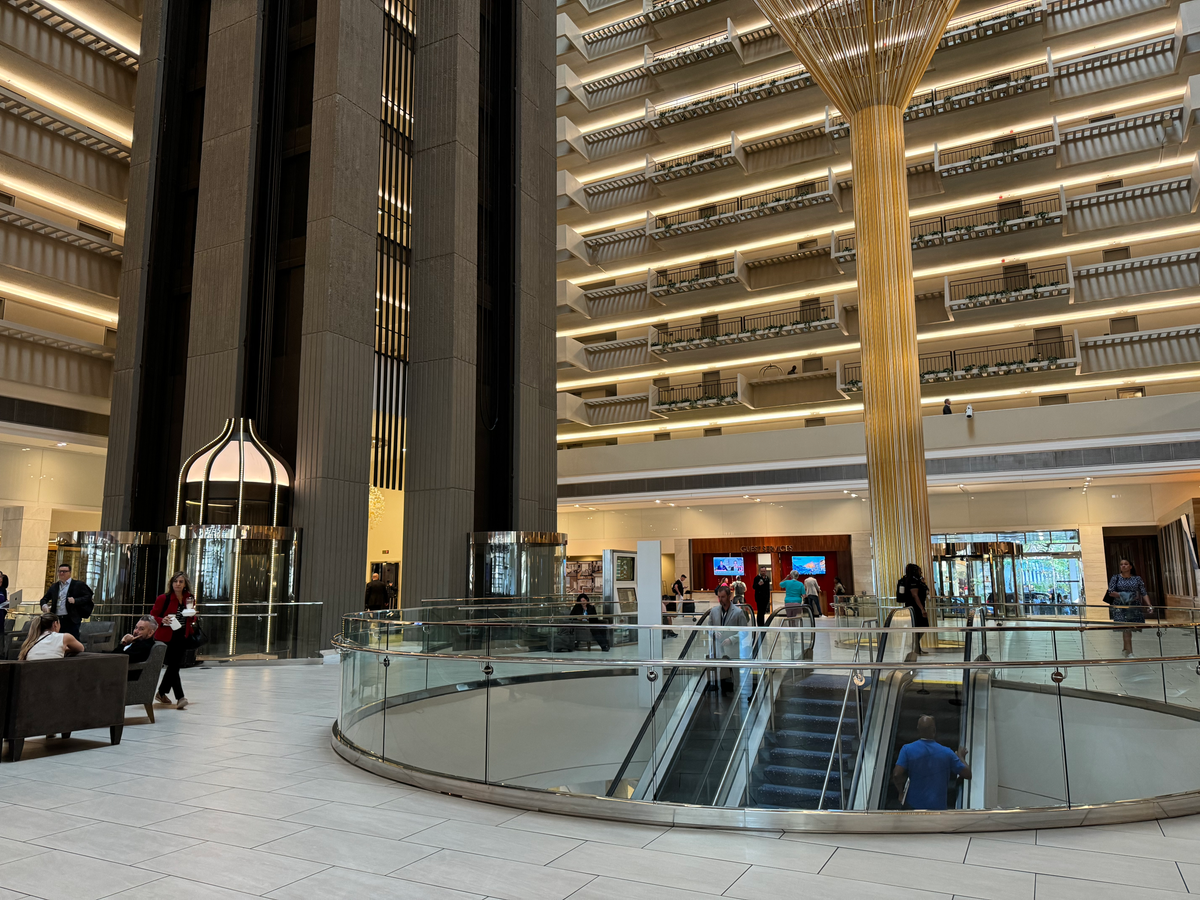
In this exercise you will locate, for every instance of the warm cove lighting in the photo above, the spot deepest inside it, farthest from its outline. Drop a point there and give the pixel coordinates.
(764, 299)
(1064, 387)
(19, 292)
(40, 92)
(20, 189)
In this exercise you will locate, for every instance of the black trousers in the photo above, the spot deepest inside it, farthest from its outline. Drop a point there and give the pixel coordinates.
(170, 681)
(68, 625)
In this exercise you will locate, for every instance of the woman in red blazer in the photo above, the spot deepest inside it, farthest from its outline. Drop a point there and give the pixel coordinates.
(177, 607)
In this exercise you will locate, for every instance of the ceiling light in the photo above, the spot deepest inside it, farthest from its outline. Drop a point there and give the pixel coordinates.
(854, 495)
(61, 444)
(658, 501)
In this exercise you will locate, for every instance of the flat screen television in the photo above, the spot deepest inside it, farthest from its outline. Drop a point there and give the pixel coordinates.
(728, 565)
(809, 565)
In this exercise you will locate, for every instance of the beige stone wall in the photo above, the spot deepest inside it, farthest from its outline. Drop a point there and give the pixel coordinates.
(24, 537)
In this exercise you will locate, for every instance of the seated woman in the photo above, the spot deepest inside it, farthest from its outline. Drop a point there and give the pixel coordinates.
(587, 612)
(46, 641)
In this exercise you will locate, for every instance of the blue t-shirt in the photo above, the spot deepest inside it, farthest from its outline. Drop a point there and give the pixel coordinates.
(929, 766)
(793, 591)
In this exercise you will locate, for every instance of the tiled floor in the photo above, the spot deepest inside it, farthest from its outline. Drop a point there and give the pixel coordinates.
(240, 796)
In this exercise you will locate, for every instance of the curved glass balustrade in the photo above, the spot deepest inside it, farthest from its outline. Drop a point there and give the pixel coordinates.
(794, 726)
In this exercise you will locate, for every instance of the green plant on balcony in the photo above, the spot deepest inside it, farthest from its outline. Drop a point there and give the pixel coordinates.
(853, 385)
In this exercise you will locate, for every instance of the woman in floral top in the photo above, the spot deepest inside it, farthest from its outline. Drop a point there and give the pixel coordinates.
(1129, 598)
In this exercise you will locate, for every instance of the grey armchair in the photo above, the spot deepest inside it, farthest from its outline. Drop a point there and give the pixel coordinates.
(141, 689)
(97, 637)
(11, 641)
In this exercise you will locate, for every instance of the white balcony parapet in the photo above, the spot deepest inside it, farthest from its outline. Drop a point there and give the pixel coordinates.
(982, 90)
(673, 167)
(51, 16)
(693, 51)
(827, 316)
(573, 352)
(753, 206)
(10, 215)
(1154, 349)
(1004, 150)
(989, 22)
(31, 111)
(1134, 277)
(573, 297)
(995, 290)
(1147, 202)
(696, 277)
(728, 96)
(1152, 58)
(32, 335)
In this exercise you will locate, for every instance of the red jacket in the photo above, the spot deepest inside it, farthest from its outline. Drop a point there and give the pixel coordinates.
(167, 605)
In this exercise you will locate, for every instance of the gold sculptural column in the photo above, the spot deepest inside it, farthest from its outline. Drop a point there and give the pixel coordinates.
(868, 56)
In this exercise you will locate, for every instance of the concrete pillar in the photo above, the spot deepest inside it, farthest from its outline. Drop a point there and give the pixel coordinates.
(24, 536)
(135, 273)
(333, 462)
(216, 337)
(1095, 571)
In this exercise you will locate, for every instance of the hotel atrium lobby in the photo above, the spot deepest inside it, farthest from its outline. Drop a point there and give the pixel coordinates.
(599, 449)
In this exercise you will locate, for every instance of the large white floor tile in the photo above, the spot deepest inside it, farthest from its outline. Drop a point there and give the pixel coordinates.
(172, 888)
(56, 875)
(761, 883)
(232, 828)
(488, 840)
(931, 875)
(118, 843)
(361, 852)
(30, 824)
(1055, 887)
(1123, 843)
(652, 867)
(600, 830)
(1155, 873)
(499, 878)
(745, 848)
(948, 847)
(345, 884)
(250, 871)
(134, 811)
(386, 823)
(345, 791)
(255, 803)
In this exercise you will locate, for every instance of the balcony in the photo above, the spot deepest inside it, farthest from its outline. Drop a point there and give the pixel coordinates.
(1008, 216)
(1001, 151)
(682, 279)
(1164, 348)
(974, 93)
(728, 96)
(29, 222)
(751, 206)
(1118, 67)
(744, 329)
(1136, 277)
(1120, 136)
(991, 22)
(716, 157)
(989, 361)
(685, 54)
(49, 16)
(1135, 204)
(1034, 284)
(698, 395)
(31, 111)
(789, 266)
(1064, 16)
(605, 410)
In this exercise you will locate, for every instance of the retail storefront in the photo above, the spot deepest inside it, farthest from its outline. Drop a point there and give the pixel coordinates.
(825, 556)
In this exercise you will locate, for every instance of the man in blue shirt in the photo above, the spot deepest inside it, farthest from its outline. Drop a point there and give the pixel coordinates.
(928, 766)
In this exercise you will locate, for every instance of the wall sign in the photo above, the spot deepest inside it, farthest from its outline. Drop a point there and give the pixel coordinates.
(768, 548)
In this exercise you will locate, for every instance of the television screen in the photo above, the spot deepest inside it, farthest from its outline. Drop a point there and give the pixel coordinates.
(809, 565)
(728, 565)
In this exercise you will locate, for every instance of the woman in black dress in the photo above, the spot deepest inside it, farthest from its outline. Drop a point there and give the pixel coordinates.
(1129, 602)
(912, 592)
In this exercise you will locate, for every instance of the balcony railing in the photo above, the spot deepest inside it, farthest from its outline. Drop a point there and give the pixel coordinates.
(980, 154)
(968, 93)
(936, 229)
(730, 91)
(678, 50)
(735, 328)
(762, 200)
(693, 275)
(991, 360)
(701, 393)
(675, 163)
(981, 291)
(991, 21)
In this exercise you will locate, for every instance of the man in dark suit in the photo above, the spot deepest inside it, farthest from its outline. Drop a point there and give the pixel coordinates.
(137, 646)
(68, 599)
(377, 594)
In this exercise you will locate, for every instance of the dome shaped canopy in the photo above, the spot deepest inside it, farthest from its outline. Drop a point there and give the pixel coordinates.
(234, 480)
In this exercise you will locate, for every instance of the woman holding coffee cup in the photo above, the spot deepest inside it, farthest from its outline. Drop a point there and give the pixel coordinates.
(175, 613)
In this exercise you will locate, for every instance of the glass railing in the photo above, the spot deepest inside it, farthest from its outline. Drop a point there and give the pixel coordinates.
(742, 725)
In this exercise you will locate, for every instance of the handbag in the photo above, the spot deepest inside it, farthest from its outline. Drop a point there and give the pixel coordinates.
(197, 638)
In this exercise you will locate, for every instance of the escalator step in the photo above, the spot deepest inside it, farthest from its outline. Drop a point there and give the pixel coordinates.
(805, 759)
(817, 706)
(807, 740)
(796, 777)
(787, 797)
(816, 724)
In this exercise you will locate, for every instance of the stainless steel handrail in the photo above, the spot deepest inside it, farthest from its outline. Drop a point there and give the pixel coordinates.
(837, 737)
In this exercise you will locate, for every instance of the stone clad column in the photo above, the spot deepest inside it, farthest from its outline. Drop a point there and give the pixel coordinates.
(869, 59)
(333, 450)
(26, 537)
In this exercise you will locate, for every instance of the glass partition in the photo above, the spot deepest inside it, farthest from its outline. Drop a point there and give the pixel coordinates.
(793, 719)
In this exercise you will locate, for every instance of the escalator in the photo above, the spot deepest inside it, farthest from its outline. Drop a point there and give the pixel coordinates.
(713, 713)
(953, 701)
